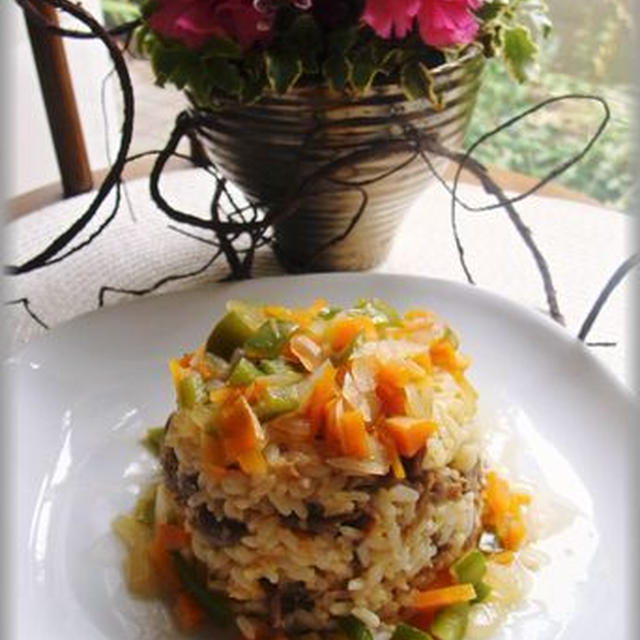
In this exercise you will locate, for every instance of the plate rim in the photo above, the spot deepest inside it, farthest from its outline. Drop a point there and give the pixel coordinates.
(540, 317)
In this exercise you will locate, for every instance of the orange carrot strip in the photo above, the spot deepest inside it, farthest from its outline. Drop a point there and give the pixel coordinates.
(189, 615)
(172, 537)
(346, 329)
(323, 391)
(444, 596)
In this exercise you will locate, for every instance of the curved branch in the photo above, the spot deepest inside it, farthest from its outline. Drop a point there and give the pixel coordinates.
(609, 288)
(113, 178)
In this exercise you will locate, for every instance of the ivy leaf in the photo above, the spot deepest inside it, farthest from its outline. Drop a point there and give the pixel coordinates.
(337, 69)
(417, 82)
(519, 51)
(364, 68)
(164, 62)
(224, 76)
(491, 10)
(221, 48)
(283, 70)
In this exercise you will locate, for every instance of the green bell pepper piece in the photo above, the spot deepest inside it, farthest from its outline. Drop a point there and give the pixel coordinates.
(354, 628)
(145, 508)
(244, 373)
(471, 567)
(407, 632)
(329, 312)
(482, 592)
(276, 367)
(216, 605)
(269, 340)
(231, 332)
(153, 440)
(451, 622)
(275, 401)
(452, 337)
(378, 310)
(192, 391)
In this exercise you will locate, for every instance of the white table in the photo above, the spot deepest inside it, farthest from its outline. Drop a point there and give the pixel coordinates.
(583, 245)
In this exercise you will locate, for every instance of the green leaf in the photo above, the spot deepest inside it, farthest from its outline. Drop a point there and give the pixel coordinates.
(164, 62)
(417, 82)
(342, 40)
(364, 68)
(283, 70)
(225, 76)
(221, 48)
(519, 52)
(337, 69)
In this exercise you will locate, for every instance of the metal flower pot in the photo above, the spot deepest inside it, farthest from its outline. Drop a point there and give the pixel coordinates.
(270, 148)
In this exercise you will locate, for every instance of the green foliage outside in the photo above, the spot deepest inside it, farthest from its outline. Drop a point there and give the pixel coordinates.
(552, 135)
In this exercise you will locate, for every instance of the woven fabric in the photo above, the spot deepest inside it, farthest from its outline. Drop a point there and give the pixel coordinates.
(583, 245)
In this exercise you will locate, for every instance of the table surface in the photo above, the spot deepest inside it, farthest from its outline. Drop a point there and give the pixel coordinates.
(583, 245)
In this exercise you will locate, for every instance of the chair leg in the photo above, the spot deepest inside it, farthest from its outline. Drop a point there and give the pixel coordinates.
(60, 103)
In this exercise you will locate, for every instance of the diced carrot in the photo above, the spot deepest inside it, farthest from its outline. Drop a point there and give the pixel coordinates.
(204, 370)
(412, 314)
(503, 511)
(354, 435)
(409, 434)
(443, 578)
(504, 557)
(172, 537)
(497, 496)
(185, 361)
(223, 395)
(443, 596)
(423, 359)
(392, 398)
(323, 391)
(423, 619)
(346, 329)
(168, 578)
(189, 615)
(212, 450)
(444, 355)
(254, 390)
(512, 534)
(252, 462)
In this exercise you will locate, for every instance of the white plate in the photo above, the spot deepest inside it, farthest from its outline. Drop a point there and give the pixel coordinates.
(83, 396)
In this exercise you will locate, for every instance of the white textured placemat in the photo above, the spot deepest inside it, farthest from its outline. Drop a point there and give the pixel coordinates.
(582, 244)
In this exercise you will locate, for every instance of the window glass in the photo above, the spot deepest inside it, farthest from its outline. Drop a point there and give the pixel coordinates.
(587, 52)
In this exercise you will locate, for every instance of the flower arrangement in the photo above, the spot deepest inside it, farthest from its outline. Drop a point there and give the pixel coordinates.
(242, 49)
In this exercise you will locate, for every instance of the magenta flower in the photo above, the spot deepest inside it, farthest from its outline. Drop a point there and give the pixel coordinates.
(193, 22)
(441, 23)
(383, 16)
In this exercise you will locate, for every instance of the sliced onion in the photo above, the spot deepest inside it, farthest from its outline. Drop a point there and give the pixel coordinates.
(308, 352)
(364, 373)
(419, 399)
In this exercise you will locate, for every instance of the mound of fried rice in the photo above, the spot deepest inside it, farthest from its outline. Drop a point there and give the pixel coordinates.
(317, 534)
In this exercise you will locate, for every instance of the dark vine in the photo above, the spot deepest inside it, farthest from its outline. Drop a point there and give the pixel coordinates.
(230, 221)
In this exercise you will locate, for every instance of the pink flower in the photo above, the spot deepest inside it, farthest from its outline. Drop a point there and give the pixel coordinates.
(384, 15)
(444, 23)
(441, 23)
(193, 22)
